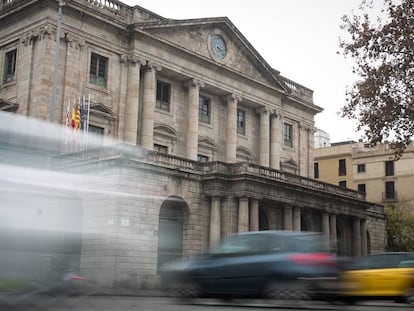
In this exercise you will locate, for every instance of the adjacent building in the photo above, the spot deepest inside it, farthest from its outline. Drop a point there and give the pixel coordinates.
(373, 170)
(215, 139)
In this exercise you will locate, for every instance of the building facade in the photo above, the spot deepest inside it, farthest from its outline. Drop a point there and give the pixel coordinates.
(221, 141)
(370, 170)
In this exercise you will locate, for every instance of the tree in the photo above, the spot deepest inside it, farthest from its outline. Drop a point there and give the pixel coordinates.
(400, 228)
(382, 100)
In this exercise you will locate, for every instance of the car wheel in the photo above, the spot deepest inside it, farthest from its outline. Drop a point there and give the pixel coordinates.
(186, 290)
(409, 296)
(286, 290)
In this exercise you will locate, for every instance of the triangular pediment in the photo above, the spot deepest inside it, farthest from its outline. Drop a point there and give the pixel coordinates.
(195, 36)
(102, 110)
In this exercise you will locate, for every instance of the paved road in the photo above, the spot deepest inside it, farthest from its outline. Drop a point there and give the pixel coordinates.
(111, 303)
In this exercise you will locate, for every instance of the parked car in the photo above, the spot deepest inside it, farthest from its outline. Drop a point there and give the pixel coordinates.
(385, 276)
(271, 264)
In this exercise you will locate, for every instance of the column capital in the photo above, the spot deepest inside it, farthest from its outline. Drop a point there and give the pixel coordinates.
(276, 113)
(263, 111)
(194, 83)
(152, 66)
(132, 59)
(232, 98)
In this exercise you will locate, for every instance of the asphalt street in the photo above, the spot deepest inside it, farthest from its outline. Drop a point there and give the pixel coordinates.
(127, 303)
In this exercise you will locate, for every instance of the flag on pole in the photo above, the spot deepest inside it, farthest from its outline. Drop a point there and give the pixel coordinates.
(77, 120)
(73, 117)
(82, 116)
(68, 115)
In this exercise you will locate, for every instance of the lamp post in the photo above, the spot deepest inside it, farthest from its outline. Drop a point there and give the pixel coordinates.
(55, 67)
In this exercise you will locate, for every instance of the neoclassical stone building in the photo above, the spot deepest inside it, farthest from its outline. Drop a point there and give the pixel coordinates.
(221, 141)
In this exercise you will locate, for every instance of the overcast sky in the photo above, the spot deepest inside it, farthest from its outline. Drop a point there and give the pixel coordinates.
(300, 38)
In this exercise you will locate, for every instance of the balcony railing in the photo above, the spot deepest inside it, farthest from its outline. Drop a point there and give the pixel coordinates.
(390, 196)
(298, 90)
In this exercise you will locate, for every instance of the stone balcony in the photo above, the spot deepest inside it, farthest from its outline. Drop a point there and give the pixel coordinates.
(192, 169)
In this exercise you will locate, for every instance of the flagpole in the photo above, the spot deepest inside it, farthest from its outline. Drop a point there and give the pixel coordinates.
(87, 120)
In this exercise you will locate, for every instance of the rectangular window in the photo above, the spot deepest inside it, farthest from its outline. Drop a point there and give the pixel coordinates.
(389, 168)
(342, 184)
(288, 135)
(204, 109)
(202, 158)
(10, 66)
(342, 167)
(389, 190)
(361, 188)
(95, 129)
(316, 170)
(98, 70)
(163, 96)
(361, 168)
(241, 122)
(161, 149)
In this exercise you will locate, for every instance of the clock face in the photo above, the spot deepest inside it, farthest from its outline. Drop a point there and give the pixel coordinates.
(218, 46)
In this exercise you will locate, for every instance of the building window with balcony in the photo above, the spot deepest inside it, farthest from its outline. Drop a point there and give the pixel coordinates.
(98, 74)
(342, 184)
(202, 158)
(10, 66)
(161, 149)
(241, 122)
(390, 190)
(163, 96)
(342, 167)
(288, 135)
(389, 168)
(361, 168)
(316, 170)
(204, 109)
(361, 188)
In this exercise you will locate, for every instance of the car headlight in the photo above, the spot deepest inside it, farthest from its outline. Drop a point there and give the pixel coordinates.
(175, 266)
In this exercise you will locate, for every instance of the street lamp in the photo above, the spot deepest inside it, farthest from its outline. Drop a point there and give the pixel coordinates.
(55, 67)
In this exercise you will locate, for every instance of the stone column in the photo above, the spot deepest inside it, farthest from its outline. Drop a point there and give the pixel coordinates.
(325, 223)
(364, 246)
(243, 215)
(287, 217)
(332, 231)
(296, 219)
(215, 221)
(254, 215)
(275, 141)
(264, 136)
(132, 98)
(231, 133)
(149, 98)
(356, 234)
(192, 121)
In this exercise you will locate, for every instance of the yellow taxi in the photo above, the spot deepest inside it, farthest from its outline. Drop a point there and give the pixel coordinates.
(387, 276)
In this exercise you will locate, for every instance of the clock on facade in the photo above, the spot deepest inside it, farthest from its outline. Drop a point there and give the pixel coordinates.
(218, 47)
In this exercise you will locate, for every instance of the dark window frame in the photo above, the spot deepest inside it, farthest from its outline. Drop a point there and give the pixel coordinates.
(163, 96)
(362, 188)
(342, 184)
(361, 168)
(202, 158)
(204, 109)
(10, 63)
(342, 167)
(288, 135)
(316, 170)
(241, 121)
(389, 168)
(98, 70)
(161, 148)
(390, 190)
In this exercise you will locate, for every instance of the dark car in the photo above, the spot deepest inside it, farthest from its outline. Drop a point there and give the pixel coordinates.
(270, 264)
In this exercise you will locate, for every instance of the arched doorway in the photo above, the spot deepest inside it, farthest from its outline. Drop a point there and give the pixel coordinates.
(170, 230)
(263, 220)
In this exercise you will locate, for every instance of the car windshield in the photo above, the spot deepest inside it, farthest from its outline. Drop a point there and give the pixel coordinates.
(257, 243)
